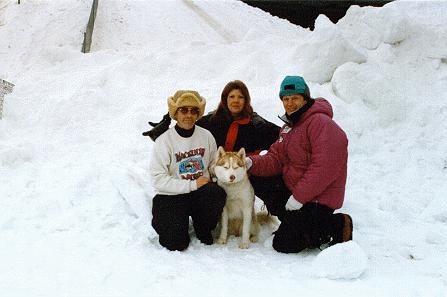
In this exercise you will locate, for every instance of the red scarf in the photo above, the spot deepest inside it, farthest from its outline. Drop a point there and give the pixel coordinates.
(232, 133)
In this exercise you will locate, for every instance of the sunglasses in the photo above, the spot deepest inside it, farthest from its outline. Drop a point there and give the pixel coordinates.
(192, 110)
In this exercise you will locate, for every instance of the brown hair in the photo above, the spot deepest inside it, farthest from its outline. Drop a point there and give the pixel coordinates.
(222, 111)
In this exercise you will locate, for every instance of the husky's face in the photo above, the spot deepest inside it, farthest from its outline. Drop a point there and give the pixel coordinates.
(230, 167)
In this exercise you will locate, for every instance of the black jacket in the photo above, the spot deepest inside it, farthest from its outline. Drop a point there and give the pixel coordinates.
(255, 136)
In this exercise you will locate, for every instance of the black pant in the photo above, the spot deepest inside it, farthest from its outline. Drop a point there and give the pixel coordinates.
(308, 227)
(273, 192)
(170, 215)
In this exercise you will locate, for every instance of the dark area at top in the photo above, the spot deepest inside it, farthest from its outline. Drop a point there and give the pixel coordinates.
(304, 13)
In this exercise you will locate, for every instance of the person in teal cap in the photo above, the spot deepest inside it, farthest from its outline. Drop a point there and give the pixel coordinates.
(310, 155)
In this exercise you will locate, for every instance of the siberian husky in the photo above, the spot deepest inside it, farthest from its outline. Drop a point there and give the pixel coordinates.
(238, 216)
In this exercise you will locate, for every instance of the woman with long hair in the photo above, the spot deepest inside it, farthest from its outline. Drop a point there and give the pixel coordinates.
(234, 124)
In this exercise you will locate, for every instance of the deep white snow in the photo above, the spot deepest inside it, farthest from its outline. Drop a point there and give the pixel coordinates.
(75, 193)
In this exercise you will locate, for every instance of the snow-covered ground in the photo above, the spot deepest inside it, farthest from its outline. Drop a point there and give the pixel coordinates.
(75, 193)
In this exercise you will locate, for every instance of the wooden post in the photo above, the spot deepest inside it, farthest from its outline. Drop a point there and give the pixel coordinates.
(89, 30)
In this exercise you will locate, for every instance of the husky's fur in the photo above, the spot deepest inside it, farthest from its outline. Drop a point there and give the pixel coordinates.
(238, 216)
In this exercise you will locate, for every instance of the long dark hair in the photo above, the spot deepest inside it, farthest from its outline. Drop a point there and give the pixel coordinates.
(222, 112)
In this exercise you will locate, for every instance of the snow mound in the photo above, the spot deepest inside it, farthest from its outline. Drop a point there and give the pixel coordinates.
(368, 27)
(324, 51)
(341, 261)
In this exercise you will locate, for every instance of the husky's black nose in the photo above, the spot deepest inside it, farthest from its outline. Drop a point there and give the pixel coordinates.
(232, 177)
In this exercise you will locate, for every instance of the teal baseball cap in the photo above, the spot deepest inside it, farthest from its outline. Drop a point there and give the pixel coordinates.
(292, 85)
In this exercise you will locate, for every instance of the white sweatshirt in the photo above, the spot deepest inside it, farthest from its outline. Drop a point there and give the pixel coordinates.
(178, 161)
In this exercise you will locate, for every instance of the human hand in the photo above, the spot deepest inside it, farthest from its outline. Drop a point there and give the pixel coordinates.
(159, 128)
(263, 152)
(248, 162)
(293, 204)
(201, 181)
(166, 118)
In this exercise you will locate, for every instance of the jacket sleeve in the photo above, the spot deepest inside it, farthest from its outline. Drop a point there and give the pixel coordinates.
(162, 180)
(267, 131)
(329, 156)
(204, 121)
(268, 164)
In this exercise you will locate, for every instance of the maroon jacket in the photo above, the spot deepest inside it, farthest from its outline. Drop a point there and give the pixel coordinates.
(312, 157)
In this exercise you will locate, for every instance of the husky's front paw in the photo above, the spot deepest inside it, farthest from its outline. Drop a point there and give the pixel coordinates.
(222, 240)
(244, 244)
(254, 238)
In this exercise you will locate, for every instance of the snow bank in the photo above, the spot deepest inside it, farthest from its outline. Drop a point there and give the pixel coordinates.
(324, 51)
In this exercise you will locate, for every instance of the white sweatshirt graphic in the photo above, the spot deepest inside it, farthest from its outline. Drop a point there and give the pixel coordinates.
(178, 161)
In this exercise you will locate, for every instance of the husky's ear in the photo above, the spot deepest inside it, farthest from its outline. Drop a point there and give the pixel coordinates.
(241, 153)
(220, 152)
